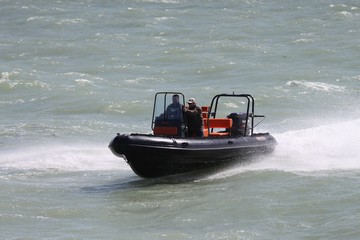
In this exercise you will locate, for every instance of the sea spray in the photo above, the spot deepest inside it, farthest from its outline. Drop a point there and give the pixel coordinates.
(63, 157)
(329, 147)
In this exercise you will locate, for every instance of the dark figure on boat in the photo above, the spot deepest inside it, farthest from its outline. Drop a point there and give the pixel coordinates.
(174, 110)
(194, 119)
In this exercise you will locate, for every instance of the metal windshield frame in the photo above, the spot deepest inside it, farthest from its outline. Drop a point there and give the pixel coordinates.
(249, 109)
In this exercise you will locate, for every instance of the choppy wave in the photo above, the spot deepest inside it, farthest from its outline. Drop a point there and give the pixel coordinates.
(318, 86)
(17, 79)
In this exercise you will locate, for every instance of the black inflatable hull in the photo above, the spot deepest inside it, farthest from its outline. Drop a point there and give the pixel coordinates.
(152, 156)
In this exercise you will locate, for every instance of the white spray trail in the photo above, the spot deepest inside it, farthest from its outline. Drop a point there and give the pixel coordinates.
(328, 147)
(324, 148)
(67, 157)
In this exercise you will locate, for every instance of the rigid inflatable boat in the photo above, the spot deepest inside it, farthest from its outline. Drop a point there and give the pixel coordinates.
(168, 150)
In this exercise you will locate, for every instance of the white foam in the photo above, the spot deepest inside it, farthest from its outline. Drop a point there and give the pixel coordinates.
(318, 86)
(329, 147)
(67, 157)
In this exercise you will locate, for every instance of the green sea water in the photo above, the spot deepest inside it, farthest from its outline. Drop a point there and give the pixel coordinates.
(74, 73)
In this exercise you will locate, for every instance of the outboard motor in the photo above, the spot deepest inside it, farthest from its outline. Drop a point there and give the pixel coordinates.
(239, 123)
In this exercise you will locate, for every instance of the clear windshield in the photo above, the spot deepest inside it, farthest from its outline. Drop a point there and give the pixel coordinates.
(168, 107)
